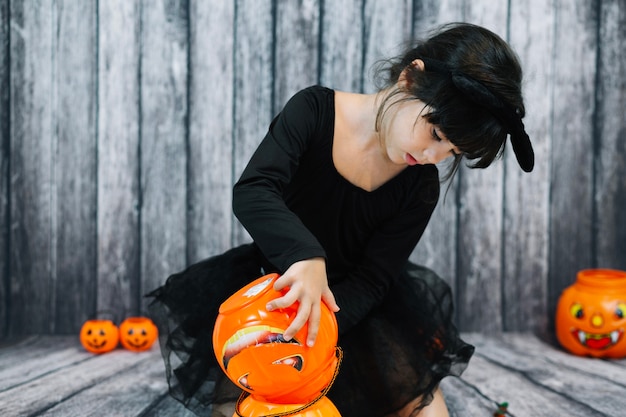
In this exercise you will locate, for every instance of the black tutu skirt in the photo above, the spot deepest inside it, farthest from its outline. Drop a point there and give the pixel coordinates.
(398, 353)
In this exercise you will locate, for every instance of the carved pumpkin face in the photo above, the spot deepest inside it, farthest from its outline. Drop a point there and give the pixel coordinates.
(99, 336)
(591, 314)
(138, 333)
(248, 343)
(251, 407)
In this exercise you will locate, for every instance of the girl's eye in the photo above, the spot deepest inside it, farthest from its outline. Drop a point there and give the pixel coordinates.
(435, 135)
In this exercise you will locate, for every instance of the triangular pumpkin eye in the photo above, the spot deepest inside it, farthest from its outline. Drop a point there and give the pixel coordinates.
(243, 380)
(102, 333)
(295, 361)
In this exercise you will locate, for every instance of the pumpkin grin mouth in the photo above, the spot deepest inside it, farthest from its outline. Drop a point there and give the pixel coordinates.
(96, 345)
(253, 336)
(597, 340)
(137, 345)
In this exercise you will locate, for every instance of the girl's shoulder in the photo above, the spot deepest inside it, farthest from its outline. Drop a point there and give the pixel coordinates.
(317, 89)
(315, 96)
(311, 108)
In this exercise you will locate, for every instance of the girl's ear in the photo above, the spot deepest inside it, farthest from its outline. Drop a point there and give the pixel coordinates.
(404, 79)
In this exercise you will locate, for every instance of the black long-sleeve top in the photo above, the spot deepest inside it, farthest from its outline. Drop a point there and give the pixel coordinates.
(296, 206)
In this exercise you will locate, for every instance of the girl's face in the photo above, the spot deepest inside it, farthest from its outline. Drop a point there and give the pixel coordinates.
(409, 139)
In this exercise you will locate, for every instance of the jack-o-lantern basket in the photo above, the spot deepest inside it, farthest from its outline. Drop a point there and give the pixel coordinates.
(99, 336)
(249, 346)
(138, 333)
(591, 314)
(251, 407)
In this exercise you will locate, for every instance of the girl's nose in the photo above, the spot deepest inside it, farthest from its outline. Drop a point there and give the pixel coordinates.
(437, 153)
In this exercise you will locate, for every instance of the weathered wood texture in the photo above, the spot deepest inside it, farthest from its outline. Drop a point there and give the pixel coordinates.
(124, 124)
(526, 197)
(5, 129)
(211, 125)
(119, 127)
(54, 376)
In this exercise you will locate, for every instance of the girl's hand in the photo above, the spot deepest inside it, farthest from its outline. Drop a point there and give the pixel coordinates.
(308, 285)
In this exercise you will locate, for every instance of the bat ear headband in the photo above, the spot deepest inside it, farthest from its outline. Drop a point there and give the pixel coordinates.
(478, 93)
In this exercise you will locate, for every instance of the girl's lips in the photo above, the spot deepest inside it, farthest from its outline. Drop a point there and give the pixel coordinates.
(410, 160)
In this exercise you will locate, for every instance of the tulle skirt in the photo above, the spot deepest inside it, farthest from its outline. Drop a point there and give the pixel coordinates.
(398, 353)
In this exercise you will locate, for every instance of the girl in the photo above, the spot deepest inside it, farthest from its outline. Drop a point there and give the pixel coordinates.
(336, 197)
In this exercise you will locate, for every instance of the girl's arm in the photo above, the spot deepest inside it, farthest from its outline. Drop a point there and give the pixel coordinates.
(282, 237)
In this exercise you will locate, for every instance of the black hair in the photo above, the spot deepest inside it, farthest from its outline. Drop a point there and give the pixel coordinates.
(480, 56)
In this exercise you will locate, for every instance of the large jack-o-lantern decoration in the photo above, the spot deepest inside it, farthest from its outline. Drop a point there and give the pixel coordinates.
(249, 346)
(99, 336)
(591, 314)
(251, 407)
(138, 333)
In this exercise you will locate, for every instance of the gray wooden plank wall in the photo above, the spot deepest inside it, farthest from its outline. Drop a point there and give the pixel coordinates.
(124, 124)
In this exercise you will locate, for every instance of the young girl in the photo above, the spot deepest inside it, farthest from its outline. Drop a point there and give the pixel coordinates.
(336, 197)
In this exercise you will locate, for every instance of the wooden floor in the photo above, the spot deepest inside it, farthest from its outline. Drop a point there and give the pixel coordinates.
(54, 376)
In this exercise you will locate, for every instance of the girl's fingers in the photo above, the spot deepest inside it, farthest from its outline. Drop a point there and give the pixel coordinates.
(282, 302)
(329, 299)
(314, 324)
(298, 322)
(282, 282)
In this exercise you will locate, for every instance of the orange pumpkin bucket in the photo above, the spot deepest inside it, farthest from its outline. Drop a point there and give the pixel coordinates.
(99, 336)
(138, 333)
(591, 314)
(249, 346)
(251, 407)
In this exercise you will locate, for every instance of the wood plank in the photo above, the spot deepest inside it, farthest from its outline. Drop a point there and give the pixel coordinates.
(596, 394)
(387, 28)
(32, 135)
(465, 400)
(5, 143)
(10, 342)
(571, 211)
(341, 46)
(12, 345)
(526, 196)
(427, 15)
(38, 357)
(253, 86)
(614, 370)
(118, 156)
(210, 179)
(610, 182)
(53, 388)
(75, 166)
(296, 48)
(130, 392)
(163, 142)
(527, 391)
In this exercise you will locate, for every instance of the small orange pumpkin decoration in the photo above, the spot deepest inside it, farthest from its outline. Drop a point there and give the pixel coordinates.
(249, 346)
(99, 336)
(251, 407)
(138, 333)
(591, 314)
